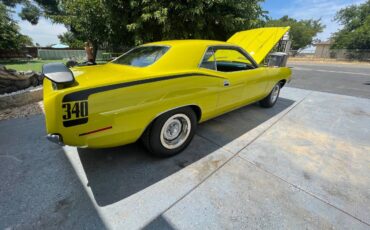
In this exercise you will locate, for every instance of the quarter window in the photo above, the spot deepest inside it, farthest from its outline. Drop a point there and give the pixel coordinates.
(208, 61)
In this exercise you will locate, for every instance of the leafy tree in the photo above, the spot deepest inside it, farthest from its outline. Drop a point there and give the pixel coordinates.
(302, 32)
(70, 39)
(30, 13)
(355, 33)
(10, 37)
(123, 23)
(86, 20)
(144, 21)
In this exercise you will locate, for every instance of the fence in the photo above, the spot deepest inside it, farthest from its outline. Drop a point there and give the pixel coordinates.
(352, 55)
(334, 55)
(26, 52)
(56, 54)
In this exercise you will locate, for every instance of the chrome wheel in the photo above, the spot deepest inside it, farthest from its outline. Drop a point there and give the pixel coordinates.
(175, 131)
(275, 93)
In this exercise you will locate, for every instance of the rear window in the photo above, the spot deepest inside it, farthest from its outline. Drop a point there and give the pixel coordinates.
(142, 56)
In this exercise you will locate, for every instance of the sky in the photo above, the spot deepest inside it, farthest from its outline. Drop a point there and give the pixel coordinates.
(46, 32)
(310, 9)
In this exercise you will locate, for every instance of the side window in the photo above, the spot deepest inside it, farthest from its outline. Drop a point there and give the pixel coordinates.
(208, 61)
(230, 60)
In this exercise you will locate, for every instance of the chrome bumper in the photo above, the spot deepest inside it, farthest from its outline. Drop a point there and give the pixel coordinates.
(55, 138)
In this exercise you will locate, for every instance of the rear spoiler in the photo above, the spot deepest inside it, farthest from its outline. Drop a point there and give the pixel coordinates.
(58, 73)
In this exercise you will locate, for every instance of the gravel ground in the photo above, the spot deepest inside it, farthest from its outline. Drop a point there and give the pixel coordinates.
(22, 111)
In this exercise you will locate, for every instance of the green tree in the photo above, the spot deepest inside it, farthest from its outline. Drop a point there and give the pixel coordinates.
(10, 36)
(302, 32)
(143, 21)
(86, 20)
(29, 11)
(123, 23)
(355, 33)
(70, 39)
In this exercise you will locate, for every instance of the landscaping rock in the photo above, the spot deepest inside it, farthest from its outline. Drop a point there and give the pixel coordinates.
(12, 80)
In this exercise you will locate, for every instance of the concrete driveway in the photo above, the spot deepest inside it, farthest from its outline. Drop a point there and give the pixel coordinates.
(303, 164)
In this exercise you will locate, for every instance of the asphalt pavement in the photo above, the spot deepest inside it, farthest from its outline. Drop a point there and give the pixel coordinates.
(346, 79)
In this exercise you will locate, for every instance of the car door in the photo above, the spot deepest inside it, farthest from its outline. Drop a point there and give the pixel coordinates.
(242, 79)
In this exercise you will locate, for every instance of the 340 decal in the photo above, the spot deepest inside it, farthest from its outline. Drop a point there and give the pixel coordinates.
(75, 110)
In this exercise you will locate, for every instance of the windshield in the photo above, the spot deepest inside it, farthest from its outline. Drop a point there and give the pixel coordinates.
(142, 56)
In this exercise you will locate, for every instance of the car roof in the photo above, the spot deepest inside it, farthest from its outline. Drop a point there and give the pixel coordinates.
(182, 55)
(189, 42)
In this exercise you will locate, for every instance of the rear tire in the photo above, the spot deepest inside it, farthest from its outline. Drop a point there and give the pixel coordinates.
(271, 99)
(171, 132)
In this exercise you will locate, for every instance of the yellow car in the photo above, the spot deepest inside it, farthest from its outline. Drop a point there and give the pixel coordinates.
(160, 91)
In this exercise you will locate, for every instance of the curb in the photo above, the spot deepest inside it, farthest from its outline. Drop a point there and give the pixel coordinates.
(20, 98)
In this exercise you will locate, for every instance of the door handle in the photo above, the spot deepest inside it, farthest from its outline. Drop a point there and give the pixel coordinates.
(226, 83)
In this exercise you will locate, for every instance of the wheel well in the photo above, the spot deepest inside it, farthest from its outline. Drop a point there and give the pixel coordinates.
(282, 82)
(197, 111)
(195, 108)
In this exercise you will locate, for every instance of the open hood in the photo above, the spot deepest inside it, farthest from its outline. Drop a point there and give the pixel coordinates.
(259, 42)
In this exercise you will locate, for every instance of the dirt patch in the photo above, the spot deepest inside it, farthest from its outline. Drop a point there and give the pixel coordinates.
(22, 111)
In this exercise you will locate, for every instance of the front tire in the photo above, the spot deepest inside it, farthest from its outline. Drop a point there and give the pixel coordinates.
(170, 133)
(271, 99)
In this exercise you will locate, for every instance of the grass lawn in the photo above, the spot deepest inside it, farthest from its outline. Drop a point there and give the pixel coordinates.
(34, 65)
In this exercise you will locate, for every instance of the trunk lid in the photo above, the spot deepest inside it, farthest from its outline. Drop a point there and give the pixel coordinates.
(258, 42)
(106, 74)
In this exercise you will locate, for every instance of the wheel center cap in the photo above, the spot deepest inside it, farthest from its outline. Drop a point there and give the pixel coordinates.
(173, 130)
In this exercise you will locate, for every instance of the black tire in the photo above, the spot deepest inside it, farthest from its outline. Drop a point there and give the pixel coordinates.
(152, 136)
(271, 99)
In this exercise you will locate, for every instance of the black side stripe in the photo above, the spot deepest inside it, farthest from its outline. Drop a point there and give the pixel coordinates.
(75, 122)
(84, 94)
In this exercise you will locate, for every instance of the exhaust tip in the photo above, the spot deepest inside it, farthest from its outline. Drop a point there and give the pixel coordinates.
(55, 138)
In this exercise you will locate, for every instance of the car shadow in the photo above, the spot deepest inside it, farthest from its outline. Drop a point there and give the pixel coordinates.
(116, 173)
